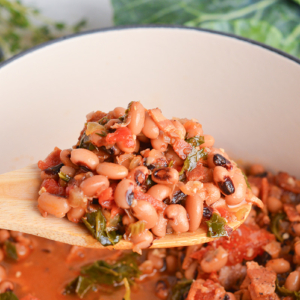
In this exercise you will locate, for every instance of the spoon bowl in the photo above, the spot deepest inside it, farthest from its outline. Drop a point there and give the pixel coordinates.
(18, 202)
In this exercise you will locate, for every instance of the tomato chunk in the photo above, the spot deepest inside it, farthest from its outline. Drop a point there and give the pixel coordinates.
(182, 148)
(246, 242)
(53, 187)
(106, 198)
(51, 160)
(29, 297)
(156, 203)
(122, 134)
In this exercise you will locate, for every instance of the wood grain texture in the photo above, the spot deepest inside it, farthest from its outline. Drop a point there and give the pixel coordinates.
(18, 211)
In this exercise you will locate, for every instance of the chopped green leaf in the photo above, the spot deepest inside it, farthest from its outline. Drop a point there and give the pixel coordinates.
(216, 226)
(171, 164)
(180, 289)
(64, 176)
(247, 182)
(124, 118)
(150, 182)
(102, 134)
(137, 227)
(101, 272)
(11, 251)
(190, 162)
(96, 224)
(275, 221)
(8, 296)
(285, 292)
(127, 289)
(196, 141)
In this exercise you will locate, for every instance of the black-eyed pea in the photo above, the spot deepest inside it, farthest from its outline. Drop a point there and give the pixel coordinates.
(223, 180)
(159, 143)
(240, 188)
(65, 157)
(165, 175)
(84, 157)
(150, 130)
(296, 229)
(208, 141)
(112, 171)
(160, 229)
(292, 282)
(146, 267)
(2, 273)
(157, 257)
(172, 156)
(190, 272)
(214, 260)
(6, 286)
(177, 216)
(217, 157)
(4, 235)
(256, 169)
(22, 250)
(142, 241)
(279, 265)
(91, 185)
(231, 296)
(161, 290)
(171, 264)
(193, 129)
(75, 214)
(123, 147)
(274, 205)
(212, 193)
(124, 193)
(144, 211)
(194, 208)
(137, 117)
(138, 175)
(160, 191)
(69, 171)
(54, 205)
(118, 112)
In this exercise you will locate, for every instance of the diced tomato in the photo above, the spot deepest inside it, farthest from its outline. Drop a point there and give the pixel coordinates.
(29, 297)
(116, 210)
(200, 173)
(182, 148)
(53, 187)
(226, 214)
(51, 160)
(122, 134)
(156, 203)
(246, 242)
(106, 198)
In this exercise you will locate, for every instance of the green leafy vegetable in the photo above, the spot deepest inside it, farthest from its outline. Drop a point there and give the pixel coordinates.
(101, 272)
(124, 118)
(64, 176)
(96, 224)
(137, 227)
(190, 162)
(275, 221)
(247, 182)
(102, 134)
(8, 296)
(285, 292)
(171, 164)
(216, 226)
(127, 289)
(150, 182)
(23, 27)
(11, 251)
(180, 289)
(196, 141)
(273, 22)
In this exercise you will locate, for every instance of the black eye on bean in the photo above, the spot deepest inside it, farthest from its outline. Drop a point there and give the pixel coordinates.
(129, 197)
(161, 289)
(178, 196)
(221, 161)
(207, 212)
(226, 186)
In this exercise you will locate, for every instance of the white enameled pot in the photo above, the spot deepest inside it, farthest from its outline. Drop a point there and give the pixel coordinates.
(245, 94)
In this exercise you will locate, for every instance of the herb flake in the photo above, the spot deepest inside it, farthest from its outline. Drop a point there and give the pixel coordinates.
(180, 289)
(190, 162)
(11, 251)
(275, 225)
(196, 141)
(8, 296)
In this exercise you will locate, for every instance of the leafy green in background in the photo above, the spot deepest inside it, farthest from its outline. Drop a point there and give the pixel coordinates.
(23, 27)
(103, 273)
(273, 22)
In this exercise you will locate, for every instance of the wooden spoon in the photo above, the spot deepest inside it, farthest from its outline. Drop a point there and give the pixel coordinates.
(18, 211)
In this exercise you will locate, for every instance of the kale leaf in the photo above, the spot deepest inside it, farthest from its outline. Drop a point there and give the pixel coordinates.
(190, 162)
(95, 222)
(273, 22)
(216, 226)
(11, 251)
(180, 290)
(275, 225)
(196, 141)
(103, 273)
(285, 292)
(8, 296)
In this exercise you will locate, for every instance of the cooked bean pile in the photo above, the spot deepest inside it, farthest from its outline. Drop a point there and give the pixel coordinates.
(144, 176)
(260, 260)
